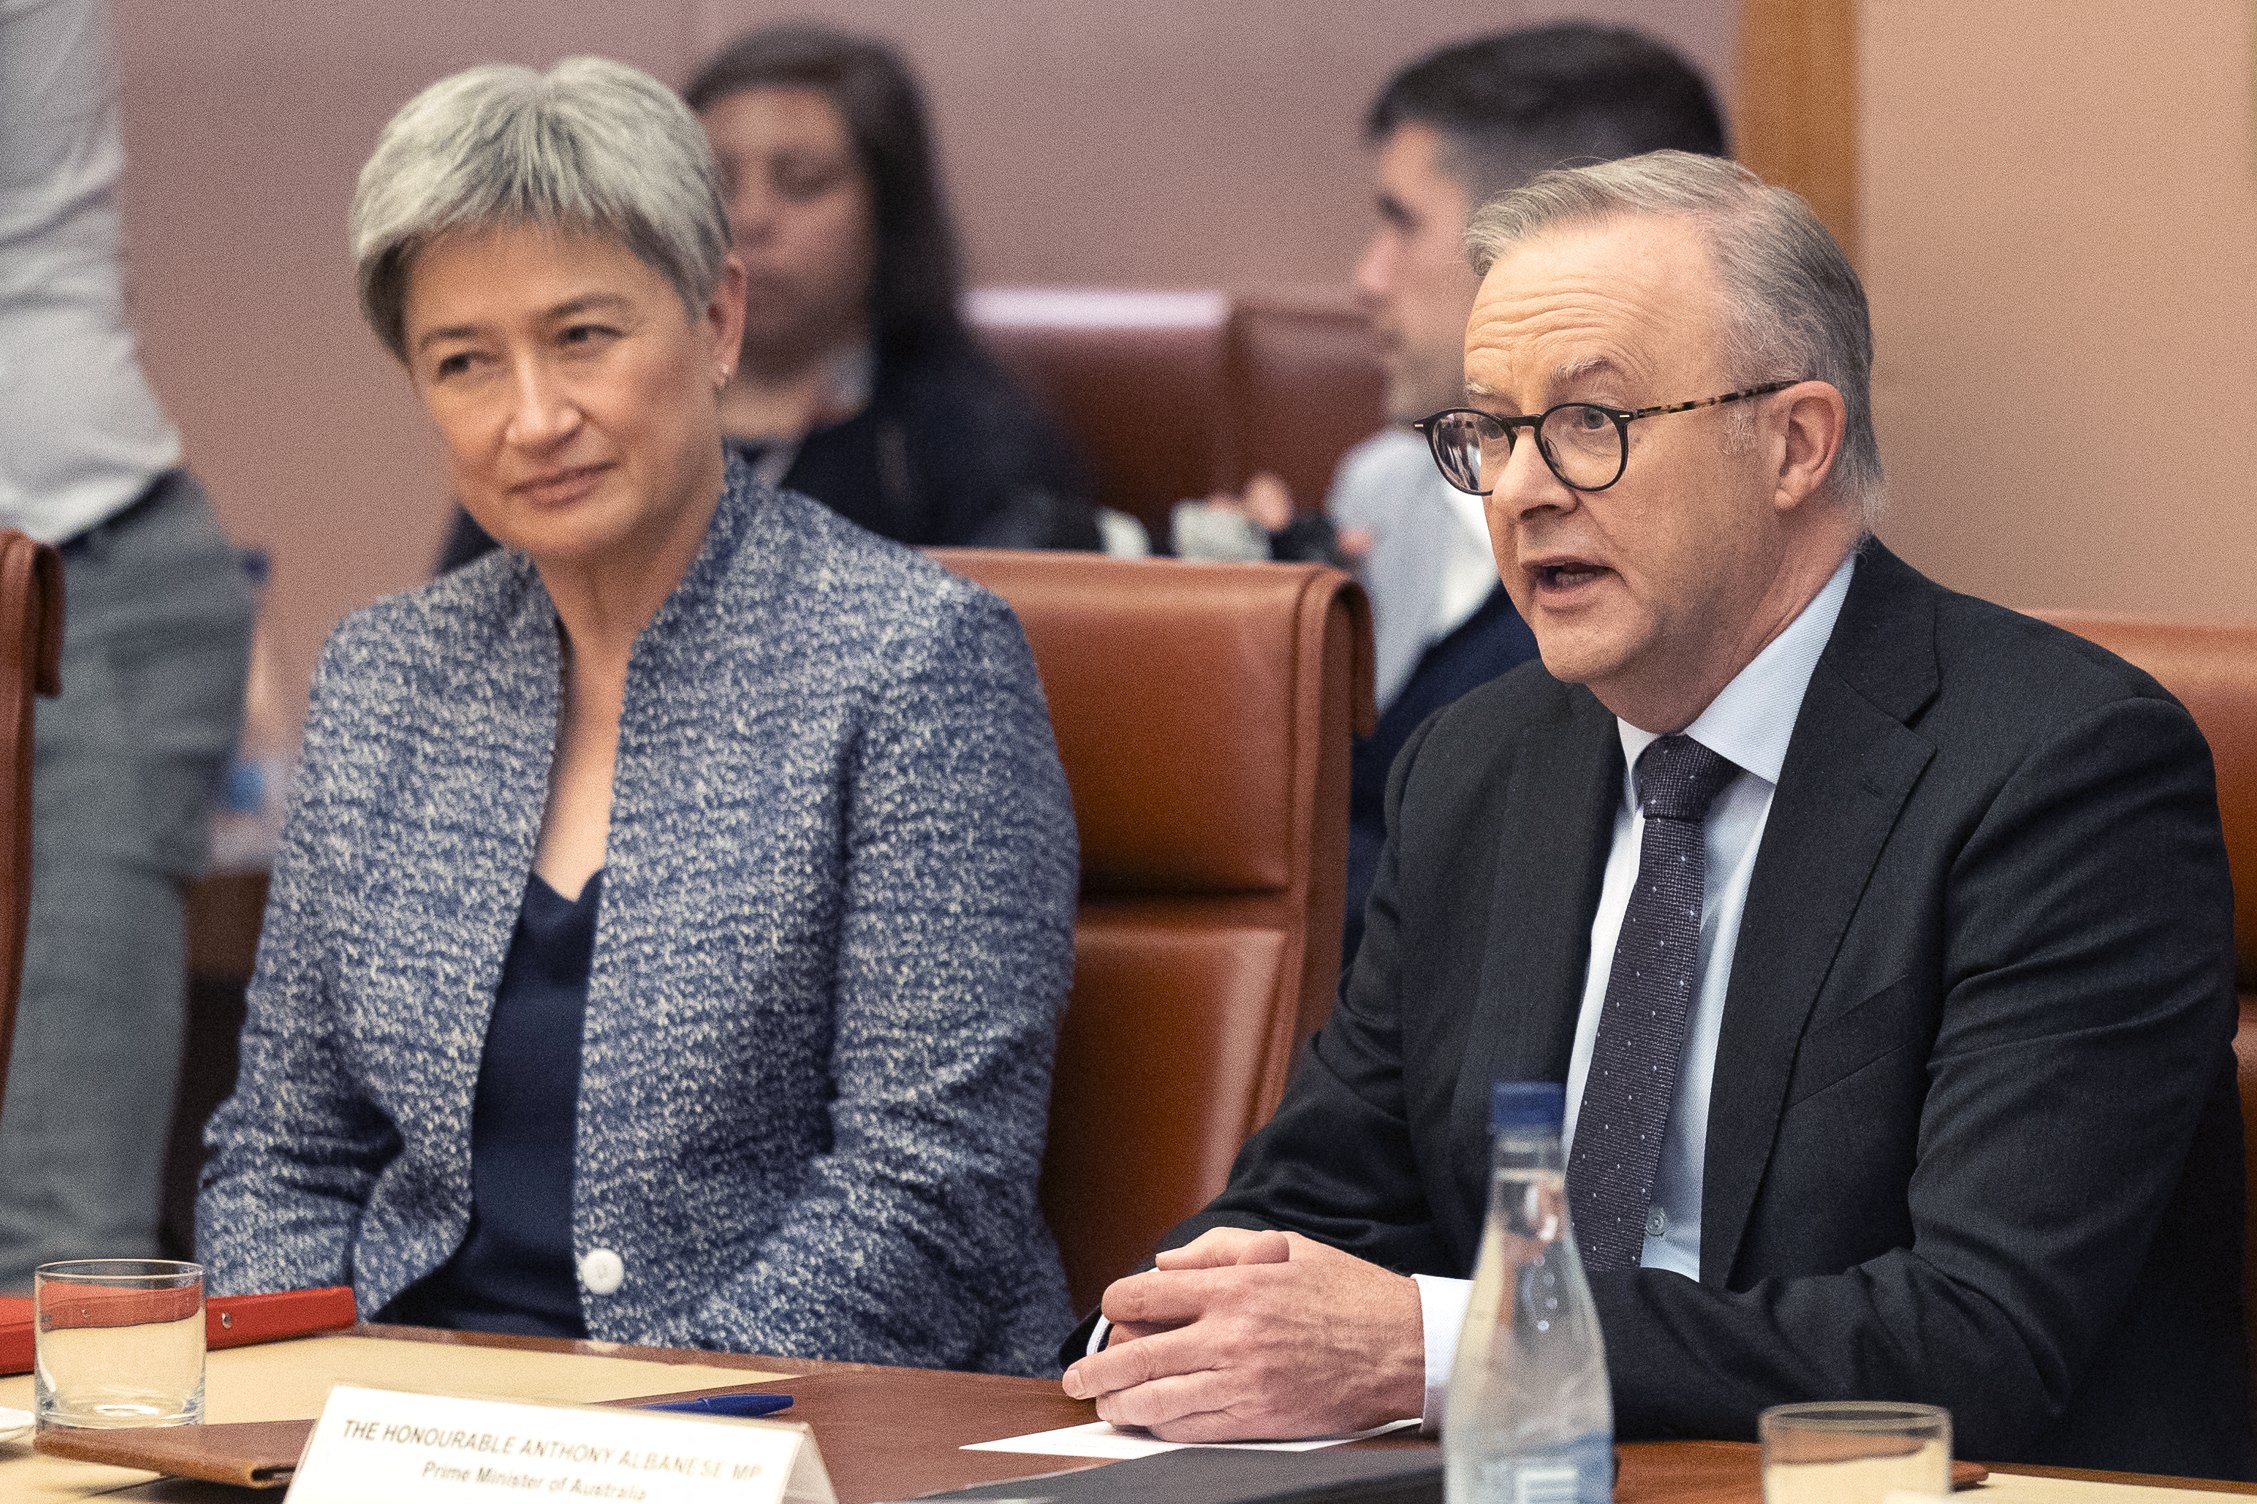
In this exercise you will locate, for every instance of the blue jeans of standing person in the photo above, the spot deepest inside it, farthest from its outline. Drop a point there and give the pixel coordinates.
(156, 646)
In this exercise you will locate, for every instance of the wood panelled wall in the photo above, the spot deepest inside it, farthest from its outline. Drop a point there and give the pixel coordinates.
(2059, 239)
(1797, 122)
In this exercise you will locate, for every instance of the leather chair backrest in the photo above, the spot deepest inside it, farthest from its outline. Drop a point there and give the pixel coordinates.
(1203, 714)
(1173, 395)
(1135, 378)
(31, 658)
(1305, 386)
(2212, 668)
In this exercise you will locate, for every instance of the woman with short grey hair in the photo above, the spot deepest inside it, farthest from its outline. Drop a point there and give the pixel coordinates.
(591, 144)
(675, 906)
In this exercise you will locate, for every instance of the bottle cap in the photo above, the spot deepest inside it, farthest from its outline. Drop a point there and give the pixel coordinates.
(1526, 1104)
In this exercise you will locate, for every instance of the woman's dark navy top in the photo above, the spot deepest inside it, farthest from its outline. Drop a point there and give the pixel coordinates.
(515, 1271)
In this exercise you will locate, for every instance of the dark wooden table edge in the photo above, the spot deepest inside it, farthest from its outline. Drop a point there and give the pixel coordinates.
(594, 1348)
(830, 1393)
(695, 1356)
(815, 1367)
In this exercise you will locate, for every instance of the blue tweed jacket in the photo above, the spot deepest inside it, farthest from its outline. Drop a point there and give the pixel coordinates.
(835, 934)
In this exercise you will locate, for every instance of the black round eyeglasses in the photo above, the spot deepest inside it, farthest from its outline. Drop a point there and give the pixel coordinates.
(1586, 444)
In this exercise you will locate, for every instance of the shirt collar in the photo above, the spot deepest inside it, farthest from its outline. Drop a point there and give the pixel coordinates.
(1752, 718)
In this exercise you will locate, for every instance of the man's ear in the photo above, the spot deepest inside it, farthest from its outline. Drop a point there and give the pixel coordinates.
(1813, 418)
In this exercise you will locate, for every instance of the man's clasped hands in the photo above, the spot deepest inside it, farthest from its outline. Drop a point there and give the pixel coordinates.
(1242, 1333)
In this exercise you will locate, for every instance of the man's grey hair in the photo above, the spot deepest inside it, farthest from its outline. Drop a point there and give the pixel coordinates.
(591, 146)
(1793, 307)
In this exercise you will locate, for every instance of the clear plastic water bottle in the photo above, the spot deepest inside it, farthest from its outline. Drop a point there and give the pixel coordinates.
(1530, 1419)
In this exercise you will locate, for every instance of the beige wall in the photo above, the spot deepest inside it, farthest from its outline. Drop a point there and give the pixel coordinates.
(1166, 142)
(2059, 200)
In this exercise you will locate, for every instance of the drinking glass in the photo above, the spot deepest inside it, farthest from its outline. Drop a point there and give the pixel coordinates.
(1854, 1451)
(118, 1342)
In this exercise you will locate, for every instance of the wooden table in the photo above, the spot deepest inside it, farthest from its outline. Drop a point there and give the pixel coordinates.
(895, 1433)
(885, 1433)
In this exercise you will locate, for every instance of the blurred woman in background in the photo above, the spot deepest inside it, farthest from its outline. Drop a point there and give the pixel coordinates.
(857, 381)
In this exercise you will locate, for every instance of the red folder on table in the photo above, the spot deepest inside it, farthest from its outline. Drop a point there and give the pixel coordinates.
(229, 1320)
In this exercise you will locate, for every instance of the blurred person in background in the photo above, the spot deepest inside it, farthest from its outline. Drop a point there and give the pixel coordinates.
(858, 382)
(154, 653)
(676, 904)
(1449, 132)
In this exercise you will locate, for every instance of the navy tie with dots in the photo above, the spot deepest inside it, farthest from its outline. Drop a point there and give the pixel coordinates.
(1633, 1074)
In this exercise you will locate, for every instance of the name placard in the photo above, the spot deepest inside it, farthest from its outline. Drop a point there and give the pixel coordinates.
(377, 1446)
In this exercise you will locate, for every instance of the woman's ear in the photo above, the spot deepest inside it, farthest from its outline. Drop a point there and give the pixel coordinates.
(724, 313)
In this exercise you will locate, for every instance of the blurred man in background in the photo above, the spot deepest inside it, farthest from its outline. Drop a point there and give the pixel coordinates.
(1450, 132)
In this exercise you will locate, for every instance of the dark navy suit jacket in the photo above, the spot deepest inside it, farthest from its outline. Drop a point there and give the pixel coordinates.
(1973, 1137)
(1492, 641)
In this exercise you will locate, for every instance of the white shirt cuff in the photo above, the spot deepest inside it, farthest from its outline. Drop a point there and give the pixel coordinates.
(1441, 1305)
(1097, 1336)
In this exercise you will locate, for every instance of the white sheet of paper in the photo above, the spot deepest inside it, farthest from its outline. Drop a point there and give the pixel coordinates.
(1103, 1439)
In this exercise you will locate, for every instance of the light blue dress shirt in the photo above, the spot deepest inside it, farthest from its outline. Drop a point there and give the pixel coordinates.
(1748, 723)
(1430, 565)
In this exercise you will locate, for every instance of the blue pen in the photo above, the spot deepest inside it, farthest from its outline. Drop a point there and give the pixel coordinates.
(739, 1405)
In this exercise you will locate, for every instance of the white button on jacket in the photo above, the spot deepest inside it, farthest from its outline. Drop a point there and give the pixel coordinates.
(602, 1271)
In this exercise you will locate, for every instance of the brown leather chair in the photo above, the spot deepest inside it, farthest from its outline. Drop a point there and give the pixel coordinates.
(1305, 386)
(31, 661)
(2213, 671)
(1172, 395)
(1203, 715)
(1136, 379)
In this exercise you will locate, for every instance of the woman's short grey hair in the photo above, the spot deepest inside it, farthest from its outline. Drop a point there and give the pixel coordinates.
(1793, 307)
(589, 146)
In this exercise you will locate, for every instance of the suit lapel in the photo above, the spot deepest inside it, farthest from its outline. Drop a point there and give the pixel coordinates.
(1850, 766)
(1553, 831)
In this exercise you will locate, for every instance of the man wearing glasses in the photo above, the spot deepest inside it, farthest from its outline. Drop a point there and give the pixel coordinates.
(1881, 937)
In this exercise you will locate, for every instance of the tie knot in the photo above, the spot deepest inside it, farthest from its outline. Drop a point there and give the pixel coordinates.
(1678, 779)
